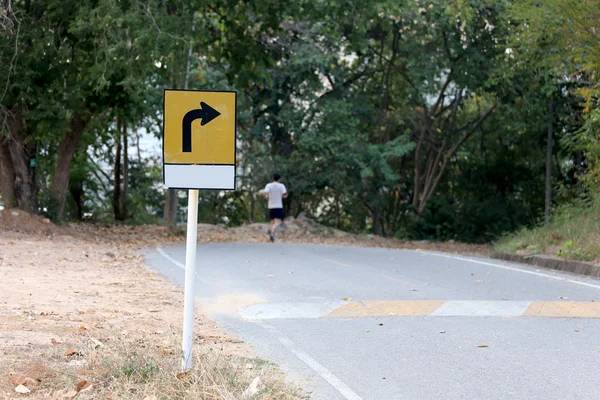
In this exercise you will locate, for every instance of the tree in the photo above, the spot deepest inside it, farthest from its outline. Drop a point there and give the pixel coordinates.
(566, 32)
(86, 60)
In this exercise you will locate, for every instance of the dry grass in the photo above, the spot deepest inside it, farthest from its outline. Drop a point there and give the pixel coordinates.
(141, 369)
(573, 234)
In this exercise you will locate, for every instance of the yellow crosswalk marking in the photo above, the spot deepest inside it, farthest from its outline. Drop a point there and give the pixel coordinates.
(386, 308)
(563, 309)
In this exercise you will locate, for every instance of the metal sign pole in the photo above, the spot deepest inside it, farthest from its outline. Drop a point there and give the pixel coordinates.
(190, 277)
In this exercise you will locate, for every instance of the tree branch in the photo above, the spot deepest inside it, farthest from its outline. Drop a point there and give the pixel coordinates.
(451, 153)
(441, 97)
(417, 181)
(470, 130)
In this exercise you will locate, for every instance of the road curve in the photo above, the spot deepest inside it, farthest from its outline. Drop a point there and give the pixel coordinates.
(353, 323)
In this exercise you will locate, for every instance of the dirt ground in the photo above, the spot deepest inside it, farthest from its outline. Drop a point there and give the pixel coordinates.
(70, 295)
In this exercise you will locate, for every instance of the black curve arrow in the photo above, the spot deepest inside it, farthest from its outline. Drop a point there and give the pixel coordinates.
(206, 113)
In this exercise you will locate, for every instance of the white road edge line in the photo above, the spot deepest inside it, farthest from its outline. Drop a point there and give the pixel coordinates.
(558, 278)
(180, 265)
(323, 372)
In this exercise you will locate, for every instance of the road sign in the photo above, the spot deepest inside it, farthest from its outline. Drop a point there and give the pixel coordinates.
(198, 153)
(199, 139)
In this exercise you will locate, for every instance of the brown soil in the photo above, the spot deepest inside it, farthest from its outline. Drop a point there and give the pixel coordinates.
(21, 221)
(67, 293)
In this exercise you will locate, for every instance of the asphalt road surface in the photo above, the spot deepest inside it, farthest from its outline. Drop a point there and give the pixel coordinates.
(377, 324)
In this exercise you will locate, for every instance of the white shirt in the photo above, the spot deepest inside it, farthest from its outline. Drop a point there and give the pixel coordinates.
(276, 191)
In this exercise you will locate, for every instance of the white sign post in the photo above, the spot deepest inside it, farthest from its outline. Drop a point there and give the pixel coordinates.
(199, 152)
(190, 278)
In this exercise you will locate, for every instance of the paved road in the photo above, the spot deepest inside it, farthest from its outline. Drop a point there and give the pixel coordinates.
(378, 324)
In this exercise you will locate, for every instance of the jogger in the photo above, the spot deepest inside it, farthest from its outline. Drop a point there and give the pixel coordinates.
(275, 192)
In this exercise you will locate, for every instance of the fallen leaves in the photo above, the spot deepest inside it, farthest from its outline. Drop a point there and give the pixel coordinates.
(82, 384)
(19, 381)
(45, 314)
(182, 375)
(25, 382)
(72, 352)
(30, 382)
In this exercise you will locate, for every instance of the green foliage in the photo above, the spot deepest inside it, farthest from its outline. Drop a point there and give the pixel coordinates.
(568, 28)
(563, 33)
(416, 119)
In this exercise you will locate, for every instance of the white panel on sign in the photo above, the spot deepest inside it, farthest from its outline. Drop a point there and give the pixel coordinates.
(200, 176)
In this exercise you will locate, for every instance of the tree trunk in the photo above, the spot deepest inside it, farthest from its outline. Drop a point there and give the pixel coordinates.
(377, 224)
(252, 205)
(282, 141)
(7, 177)
(170, 211)
(76, 189)
(138, 148)
(123, 200)
(21, 152)
(64, 160)
(117, 177)
(417, 181)
(548, 171)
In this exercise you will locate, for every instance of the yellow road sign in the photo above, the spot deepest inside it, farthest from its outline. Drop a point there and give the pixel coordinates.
(199, 139)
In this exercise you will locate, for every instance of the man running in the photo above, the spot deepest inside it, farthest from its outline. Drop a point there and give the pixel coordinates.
(275, 192)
